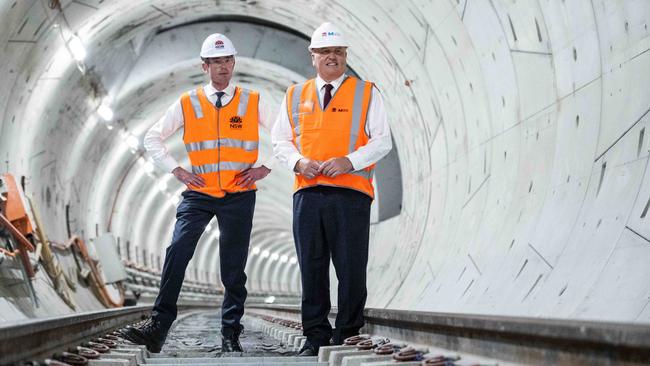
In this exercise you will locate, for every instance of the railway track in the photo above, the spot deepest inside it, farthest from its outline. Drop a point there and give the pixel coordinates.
(273, 337)
(40, 338)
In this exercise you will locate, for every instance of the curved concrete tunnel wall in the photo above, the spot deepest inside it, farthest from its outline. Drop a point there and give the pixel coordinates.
(521, 128)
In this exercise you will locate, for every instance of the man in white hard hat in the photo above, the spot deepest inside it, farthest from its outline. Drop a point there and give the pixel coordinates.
(331, 130)
(220, 131)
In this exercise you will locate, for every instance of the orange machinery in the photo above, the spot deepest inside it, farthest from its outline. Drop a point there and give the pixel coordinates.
(15, 219)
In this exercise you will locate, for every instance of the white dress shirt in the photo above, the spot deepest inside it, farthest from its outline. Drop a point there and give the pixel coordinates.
(379, 142)
(173, 120)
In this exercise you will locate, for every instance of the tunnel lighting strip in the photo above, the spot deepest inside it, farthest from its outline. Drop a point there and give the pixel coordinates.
(73, 43)
(105, 112)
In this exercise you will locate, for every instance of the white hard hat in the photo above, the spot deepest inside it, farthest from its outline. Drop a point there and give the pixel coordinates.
(327, 35)
(217, 45)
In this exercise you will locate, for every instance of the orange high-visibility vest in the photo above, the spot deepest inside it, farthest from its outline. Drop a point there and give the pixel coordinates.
(335, 132)
(221, 142)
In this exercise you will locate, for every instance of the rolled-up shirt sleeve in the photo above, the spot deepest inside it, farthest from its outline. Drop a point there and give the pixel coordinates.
(266, 121)
(154, 139)
(379, 142)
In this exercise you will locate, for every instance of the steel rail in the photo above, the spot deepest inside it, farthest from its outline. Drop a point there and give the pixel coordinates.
(517, 339)
(39, 338)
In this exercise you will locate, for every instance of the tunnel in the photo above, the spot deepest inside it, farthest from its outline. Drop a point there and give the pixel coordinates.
(518, 183)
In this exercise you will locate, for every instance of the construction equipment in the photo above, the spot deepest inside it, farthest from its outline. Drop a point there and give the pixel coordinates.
(63, 285)
(14, 218)
(20, 218)
(90, 272)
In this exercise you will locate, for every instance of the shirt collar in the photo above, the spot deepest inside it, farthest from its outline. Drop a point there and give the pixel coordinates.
(335, 83)
(211, 90)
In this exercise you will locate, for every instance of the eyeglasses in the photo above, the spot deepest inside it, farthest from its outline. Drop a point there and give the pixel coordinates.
(219, 60)
(338, 51)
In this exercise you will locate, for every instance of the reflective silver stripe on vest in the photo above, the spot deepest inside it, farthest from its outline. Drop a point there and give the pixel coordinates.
(196, 105)
(231, 165)
(363, 173)
(295, 107)
(243, 102)
(224, 165)
(248, 145)
(201, 145)
(356, 114)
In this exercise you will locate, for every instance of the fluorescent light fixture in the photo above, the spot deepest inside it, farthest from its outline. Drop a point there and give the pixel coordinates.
(293, 260)
(77, 48)
(133, 142)
(174, 200)
(274, 256)
(60, 62)
(208, 227)
(256, 251)
(84, 34)
(270, 300)
(284, 259)
(162, 185)
(148, 168)
(265, 254)
(105, 112)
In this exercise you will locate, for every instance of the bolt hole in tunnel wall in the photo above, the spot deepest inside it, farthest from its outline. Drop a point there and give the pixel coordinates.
(519, 184)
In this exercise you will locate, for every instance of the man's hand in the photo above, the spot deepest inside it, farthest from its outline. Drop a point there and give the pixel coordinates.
(187, 178)
(335, 167)
(307, 168)
(249, 176)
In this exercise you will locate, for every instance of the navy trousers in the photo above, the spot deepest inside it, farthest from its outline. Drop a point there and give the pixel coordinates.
(331, 222)
(235, 217)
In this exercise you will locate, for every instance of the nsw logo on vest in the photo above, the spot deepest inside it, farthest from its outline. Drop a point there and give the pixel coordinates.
(235, 123)
(334, 109)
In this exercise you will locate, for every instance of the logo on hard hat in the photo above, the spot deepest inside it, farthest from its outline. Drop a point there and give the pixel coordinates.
(219, 44)
(325, 34)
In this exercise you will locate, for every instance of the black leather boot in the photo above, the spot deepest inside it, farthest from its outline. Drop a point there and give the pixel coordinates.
(308, 350)
(150, 333)
(230, 340)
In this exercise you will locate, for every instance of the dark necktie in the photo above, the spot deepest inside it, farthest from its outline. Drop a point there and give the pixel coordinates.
(218, 102)
(328, 94)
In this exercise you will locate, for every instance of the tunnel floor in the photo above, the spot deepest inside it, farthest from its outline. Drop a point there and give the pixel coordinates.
(198, 334)
(195, 339)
